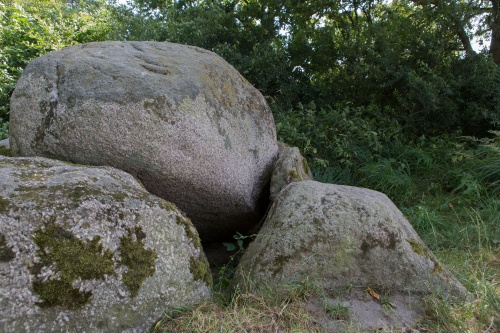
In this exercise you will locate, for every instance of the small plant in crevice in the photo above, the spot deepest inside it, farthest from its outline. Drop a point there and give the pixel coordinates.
(240, 242)
(223, 275)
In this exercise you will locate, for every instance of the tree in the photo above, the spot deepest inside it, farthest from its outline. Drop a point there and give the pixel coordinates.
(463, 13)
(403, 61)
(495, 30)
(29, 29)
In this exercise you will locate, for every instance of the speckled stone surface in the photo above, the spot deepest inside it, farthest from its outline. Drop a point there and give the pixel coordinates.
(291, 167)
(88, 249)
(342, 236)
(179, 118)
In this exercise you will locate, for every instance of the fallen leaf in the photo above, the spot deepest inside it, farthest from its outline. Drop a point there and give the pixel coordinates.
(374, 294)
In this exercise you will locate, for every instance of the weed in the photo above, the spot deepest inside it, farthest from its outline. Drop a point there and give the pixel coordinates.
(337, 311)
(240, 241)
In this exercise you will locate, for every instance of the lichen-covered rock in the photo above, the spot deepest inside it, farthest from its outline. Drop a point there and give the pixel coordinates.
(88, 249)
(344, 237)
(179, 118)
(291, 167)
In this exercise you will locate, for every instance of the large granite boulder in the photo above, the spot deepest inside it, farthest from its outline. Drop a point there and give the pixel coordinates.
(87, 249)
(179, 118)
(345, 238)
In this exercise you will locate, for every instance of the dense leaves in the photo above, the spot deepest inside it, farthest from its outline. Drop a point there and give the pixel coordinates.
(29, 29)
(410, 60)
(380, 94)
(405, 64)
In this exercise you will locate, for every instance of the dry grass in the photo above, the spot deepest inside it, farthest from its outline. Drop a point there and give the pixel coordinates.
(246, 313)
(469, 246)
(269, 311)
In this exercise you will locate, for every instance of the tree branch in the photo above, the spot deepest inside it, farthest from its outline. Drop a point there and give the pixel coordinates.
(458, 25)
(495, 32)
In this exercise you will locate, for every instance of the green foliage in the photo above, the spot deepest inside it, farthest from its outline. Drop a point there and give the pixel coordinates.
(239, 238)
(395, 61)
(487, 162)
(345, 136)
(374, 93)
(29, 29)
(4, 129)
(337, 311)
(391, 177)
(442, 184)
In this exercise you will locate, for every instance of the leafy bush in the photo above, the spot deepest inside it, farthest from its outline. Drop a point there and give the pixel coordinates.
(29, 29)
(4, 130)
(336, 135)
(391, 177)
(487, 163)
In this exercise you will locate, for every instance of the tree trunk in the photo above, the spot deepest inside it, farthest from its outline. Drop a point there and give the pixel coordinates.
(495, 31)
(457, 21)
(464, 38)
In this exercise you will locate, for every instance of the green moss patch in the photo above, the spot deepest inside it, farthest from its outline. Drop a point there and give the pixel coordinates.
(417, 247)
(6, 253)
(279, 262)
(200, 270)
(4, 204)
(72, 259)
(77, 193)
(190, 230)
(72, 195)
(294, 174)
(421, 250)
(305, 166)
(140, 262)
(5, 151)
(59, 292)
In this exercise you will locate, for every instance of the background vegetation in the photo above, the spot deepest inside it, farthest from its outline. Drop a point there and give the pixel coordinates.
(389, 95)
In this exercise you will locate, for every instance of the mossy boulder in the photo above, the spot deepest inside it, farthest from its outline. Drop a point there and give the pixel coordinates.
(343, 237)
(179, 118)
(291, 167)
(88, 249)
